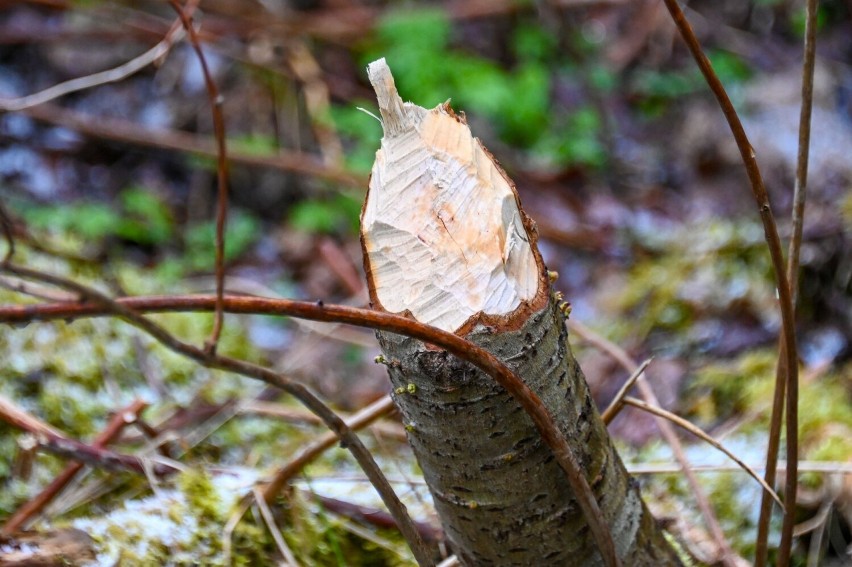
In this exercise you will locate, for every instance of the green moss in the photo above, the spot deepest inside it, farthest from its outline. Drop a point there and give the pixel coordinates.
(320, 539)
(721, 391)
(251, 544)
(176, 527)
(201, 497)
(694, 272)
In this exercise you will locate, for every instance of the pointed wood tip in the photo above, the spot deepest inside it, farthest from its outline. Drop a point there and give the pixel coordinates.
(442, 230)
(390, 103)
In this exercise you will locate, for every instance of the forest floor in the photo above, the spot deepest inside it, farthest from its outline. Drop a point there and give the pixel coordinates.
(619, 153)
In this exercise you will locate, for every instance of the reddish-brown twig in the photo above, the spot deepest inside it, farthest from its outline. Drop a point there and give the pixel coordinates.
(110, 433)
(130, 132)
(216, 101)
(109, 76)
(55, 442)
(453, 344)
(366, 416)
(785, 298)
(799, 195)
(210, 360)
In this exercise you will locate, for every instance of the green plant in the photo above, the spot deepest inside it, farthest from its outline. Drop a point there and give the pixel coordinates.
(516, 101)
(141, 217)
(336, 214)
(242, 230)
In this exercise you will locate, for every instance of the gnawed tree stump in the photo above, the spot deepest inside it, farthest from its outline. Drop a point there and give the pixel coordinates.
(446, 241)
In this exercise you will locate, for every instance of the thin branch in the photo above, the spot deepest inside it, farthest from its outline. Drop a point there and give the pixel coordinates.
(801, 188)
(701, 434)
(130, 132)
(210, 360)
(34, 290)
(617, 402)
(127, 308)
(216, 101)
(269, 519)
(113, 75)
(317, 447)
(799, 198)
(46, 437)
(825, 467)
(788, 316)
(666, 429)
(23, 515)
(17, 417)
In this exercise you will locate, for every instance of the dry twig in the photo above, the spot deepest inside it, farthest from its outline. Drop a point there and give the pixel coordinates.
(668, 432)
(114, 75)
(701, 434)
(617, 402)
(23, 515)
(799, 197)
(216, 101)
(120, 309)
(789, 351)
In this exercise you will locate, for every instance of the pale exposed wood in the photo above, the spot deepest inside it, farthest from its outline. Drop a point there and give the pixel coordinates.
(441, 227)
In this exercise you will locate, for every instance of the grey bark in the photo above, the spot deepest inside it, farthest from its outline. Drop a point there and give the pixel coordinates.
(501, 497)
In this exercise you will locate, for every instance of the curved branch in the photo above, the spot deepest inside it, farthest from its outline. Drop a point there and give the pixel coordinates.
(348, 438)
(318, 311)
(221, 171)
(785, 298)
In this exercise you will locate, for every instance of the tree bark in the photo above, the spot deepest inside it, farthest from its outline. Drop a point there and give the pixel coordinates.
(501, 497)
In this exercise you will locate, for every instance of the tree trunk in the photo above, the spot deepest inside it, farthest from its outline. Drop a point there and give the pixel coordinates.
(445, 240)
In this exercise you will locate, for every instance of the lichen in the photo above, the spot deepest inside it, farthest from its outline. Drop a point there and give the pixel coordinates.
(178, 525)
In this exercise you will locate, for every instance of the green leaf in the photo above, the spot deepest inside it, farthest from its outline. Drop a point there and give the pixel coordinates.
(326, 216)
(730, 67)
(242, 230)
(420, 29)
(147, 219)
(533, 43)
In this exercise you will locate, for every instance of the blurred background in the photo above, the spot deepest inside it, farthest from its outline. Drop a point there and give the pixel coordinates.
(594, 108)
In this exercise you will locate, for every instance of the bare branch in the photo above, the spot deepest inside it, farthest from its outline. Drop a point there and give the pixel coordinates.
(119, 420)
(701, 434)
(221, 173)
(788, 316)
(114, 75)
(799, 197)
(617, 402)
(210, 360)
